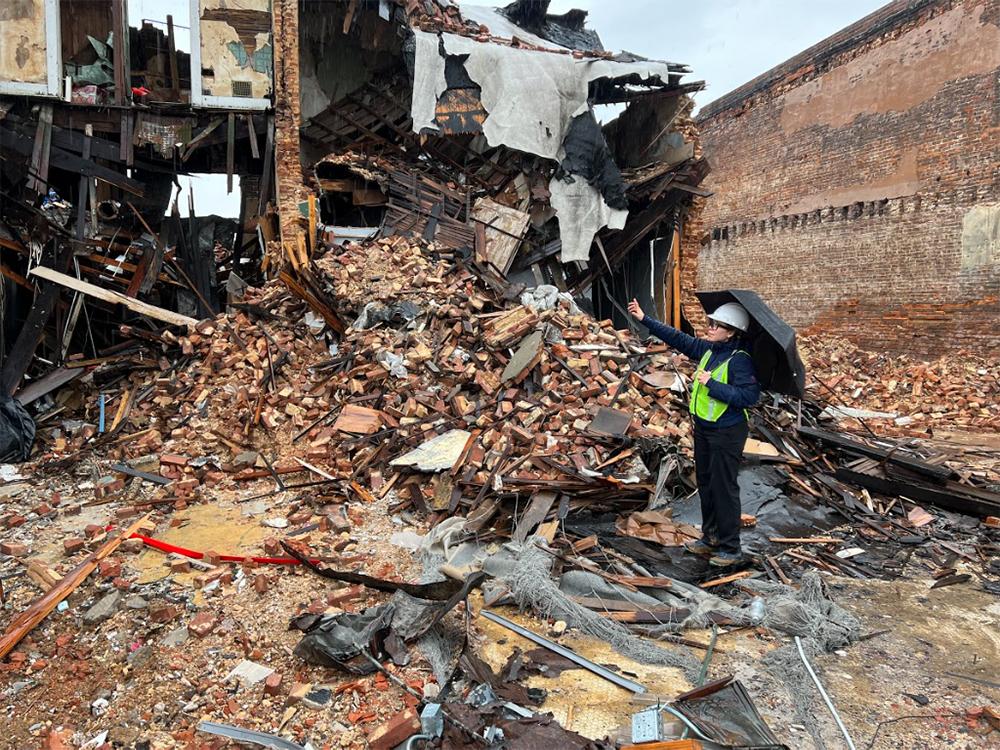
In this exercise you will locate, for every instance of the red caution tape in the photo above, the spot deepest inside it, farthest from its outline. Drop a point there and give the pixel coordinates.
(167, 547)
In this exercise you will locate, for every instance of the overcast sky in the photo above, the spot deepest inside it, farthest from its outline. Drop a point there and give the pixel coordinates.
(726, 42)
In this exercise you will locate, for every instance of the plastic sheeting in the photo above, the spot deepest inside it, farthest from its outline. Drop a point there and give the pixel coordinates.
(582, 213)
(17, 431)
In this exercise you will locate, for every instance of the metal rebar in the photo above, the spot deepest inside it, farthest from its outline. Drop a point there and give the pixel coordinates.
(574, 657)
(822, 692)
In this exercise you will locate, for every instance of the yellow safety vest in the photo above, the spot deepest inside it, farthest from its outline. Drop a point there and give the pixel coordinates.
(702, 404)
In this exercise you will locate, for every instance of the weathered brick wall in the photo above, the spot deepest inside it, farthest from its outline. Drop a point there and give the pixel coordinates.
(857, 187)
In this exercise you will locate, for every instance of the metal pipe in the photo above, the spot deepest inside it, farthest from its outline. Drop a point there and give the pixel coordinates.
(410, 743)
(597, 669)
(826, 698)
(687, 722)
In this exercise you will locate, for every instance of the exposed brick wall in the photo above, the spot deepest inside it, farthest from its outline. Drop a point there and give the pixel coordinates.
(857, 187)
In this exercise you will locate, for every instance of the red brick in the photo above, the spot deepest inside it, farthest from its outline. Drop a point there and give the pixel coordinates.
(161, 613)
(71, 546)
(14, 549)
(173, 459)
(336, 598)
(110, 568)
(395, 731)
(93, 529)
(15, 520)
(132, 545)
(272, 546)
(260, 583)
(202, 624)
(273, 684)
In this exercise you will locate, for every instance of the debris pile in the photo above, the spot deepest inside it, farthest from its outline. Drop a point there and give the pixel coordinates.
(421, 404)
(904, 396)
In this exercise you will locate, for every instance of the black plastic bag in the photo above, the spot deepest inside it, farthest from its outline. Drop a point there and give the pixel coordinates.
(17, 431)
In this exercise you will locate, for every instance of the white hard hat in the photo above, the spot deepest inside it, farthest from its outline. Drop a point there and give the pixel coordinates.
(732, 315)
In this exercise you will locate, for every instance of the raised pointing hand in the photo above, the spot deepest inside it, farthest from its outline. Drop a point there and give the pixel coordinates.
(635, 310)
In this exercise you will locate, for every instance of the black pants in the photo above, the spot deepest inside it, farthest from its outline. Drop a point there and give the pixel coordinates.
(717, 456)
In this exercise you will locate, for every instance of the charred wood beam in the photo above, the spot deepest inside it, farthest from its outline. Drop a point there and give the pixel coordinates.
(949, 498)
(70, 162)
(19, 358)
(939, 473)
(617, 95)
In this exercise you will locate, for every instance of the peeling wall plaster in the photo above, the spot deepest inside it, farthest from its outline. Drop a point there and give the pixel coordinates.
(22, 41)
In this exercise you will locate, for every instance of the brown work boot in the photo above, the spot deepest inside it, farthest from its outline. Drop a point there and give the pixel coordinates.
(725, 559)
(701, 546)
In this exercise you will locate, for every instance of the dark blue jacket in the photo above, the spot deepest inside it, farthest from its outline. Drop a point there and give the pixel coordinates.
(741, 392)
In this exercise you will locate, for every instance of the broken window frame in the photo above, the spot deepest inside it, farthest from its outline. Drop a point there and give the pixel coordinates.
(198, 97)
(53, 60)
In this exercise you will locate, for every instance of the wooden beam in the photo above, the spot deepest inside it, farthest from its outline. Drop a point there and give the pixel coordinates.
(230, 153)
(70, 162)
(175, 80)
(24, 623)
(92, 290)
(119, 27)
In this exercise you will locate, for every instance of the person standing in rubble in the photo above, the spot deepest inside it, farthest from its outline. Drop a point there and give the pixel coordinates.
(724, 387)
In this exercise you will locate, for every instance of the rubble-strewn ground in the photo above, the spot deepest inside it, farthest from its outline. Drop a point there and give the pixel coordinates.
(158, 663)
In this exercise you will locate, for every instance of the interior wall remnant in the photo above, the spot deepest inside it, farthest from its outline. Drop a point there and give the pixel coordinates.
(334, 62)
(237, 55)
(22, 45)
(78, 20)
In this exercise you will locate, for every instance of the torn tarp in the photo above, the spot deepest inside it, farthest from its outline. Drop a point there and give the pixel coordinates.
(17, 431)
(531, 96)
(582, 213)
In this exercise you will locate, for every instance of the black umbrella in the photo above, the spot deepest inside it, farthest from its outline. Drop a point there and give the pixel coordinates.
(770, 340)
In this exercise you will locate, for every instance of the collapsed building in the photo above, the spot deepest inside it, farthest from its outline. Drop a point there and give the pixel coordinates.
(397, 395)
(474, 130)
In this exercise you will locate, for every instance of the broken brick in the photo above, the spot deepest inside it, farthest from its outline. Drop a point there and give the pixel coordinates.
(72, 546)
(14, 549)
(273, 684)
(161, 613)
(395, 731)
(110, 568)
(202, 624)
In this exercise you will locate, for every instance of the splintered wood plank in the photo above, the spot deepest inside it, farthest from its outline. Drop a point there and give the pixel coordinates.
(538, 508)
(92, 290)
(805, 540)
(25, 622)
(358, 420)
(504, 232)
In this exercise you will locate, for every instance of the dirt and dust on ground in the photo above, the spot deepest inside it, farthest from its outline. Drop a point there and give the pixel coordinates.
(260, 427)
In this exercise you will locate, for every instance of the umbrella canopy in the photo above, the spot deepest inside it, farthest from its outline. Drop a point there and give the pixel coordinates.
(770, 340)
